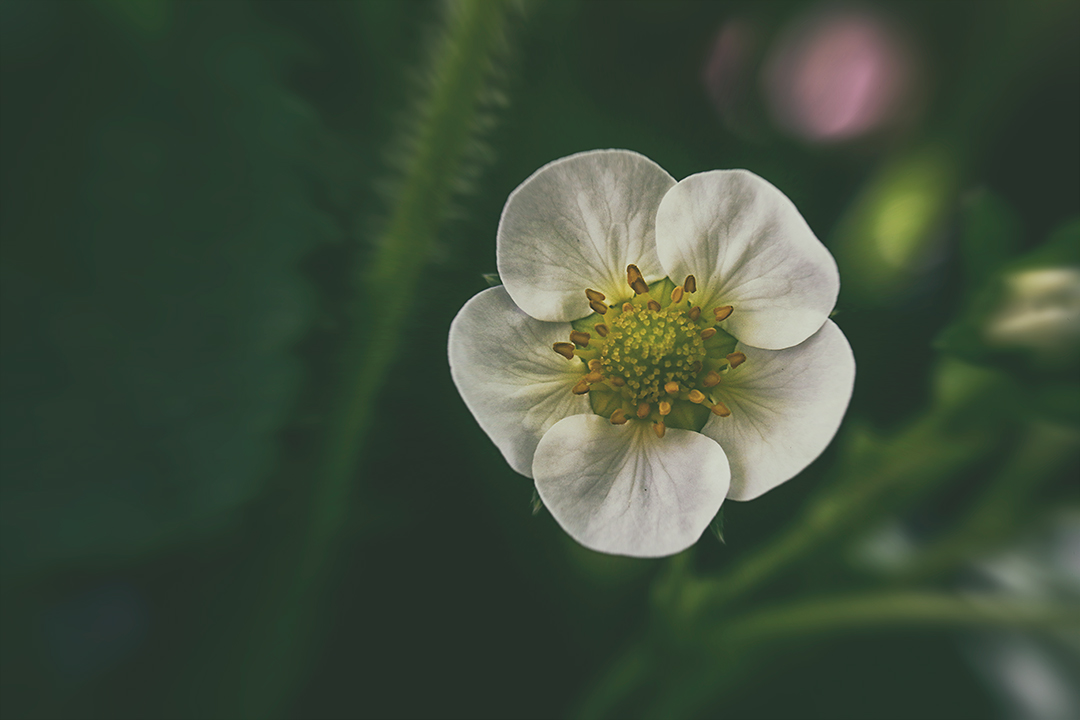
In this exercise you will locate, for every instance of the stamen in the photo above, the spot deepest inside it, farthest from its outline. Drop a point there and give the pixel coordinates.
(598, 307)
(635, 280)
(581, 339)
(665, 407)
(676, 294)
(564, 349)
(690, 284)
(601, 329)
(695, 312)
(627, 307)
(720, 409)
(722, 313)
(619, 417)
(707, 333)
(697, 397)
(593, 377)
(594, 295)
(671, 388)
(617, 381)
(712, 379)
(654, 306)
(581, 388)
(595, 364)
(643, 410)
(695, 367)
(659, 429)
(736, 359)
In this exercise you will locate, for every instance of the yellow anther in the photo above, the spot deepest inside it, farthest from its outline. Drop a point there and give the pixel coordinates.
(593, 377)
(594, 295)
(595, 364)
(671, 388)
(712, 379)
(598, 307)
(643, 410)
(696, 396)
(690, 284)
(654, 306)
(720, 409)
(695, 313)
(564, 349)
(617, 381)
(659, 429)
(581, 388)
(619, 417)
(601, 329)
(707, 333)
(676, 294)
(665, 407)
(581, 339)
(722, 313)
(635, 280)
(736, 359)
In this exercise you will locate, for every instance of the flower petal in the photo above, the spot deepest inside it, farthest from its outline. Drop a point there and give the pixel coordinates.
(513, 382)
(786, 405)
(622, 490)
(577, 223)
(748, 247)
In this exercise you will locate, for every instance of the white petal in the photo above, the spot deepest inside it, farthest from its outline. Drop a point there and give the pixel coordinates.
(622, 490)
(577, 223)
(786, 405)
(748, 247)
(513, 382)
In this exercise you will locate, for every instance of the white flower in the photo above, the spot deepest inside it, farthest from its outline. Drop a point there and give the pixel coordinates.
(660, 400)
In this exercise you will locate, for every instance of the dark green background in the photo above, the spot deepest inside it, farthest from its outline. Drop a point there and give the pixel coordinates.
(187, 188)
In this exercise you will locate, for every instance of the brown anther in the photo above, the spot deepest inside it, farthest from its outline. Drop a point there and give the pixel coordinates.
(601, 329)
(722, 313)
(659, 429)
(617, 381)
(595, 364)
(676, 294)
(564, 349)
(671, 388)
(695, 367)
(594, 295)
(635, 280)
(712, 379)
(690, 284)
(654, 306)
(695, 313)
(581, 339)
(665, 407)
(598, 307)
(643, 410)
(707, 333)
(593, 377)
(720, 409)
(627, 307)
(696, 396)
(736, 359)
(581, 388)
(619, 417)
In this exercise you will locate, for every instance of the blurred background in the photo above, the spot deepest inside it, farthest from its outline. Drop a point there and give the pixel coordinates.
(237, 480)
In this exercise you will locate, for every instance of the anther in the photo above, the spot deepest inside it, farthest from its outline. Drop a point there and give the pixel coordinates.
(695, 312)
(671, 388)
(690, 284)
(643, 410)
(635, 280)
(707, 333)
(619, 417)
(665, 407)
(712, 379)
(594, 295)
(601, 329)
(627, 307)
(581, 388)
(720, 409)
(654, 306)
(736, 359)
(697, 397)
(581, 339)
(564, 349)
(617, 381)
(598, 307)
(593, 377)
(722, 313)
(595, 364)
(676, 294)
(659, 429)
(695, 367)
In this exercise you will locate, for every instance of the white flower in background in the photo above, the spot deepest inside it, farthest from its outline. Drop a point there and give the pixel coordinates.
(637, 405)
